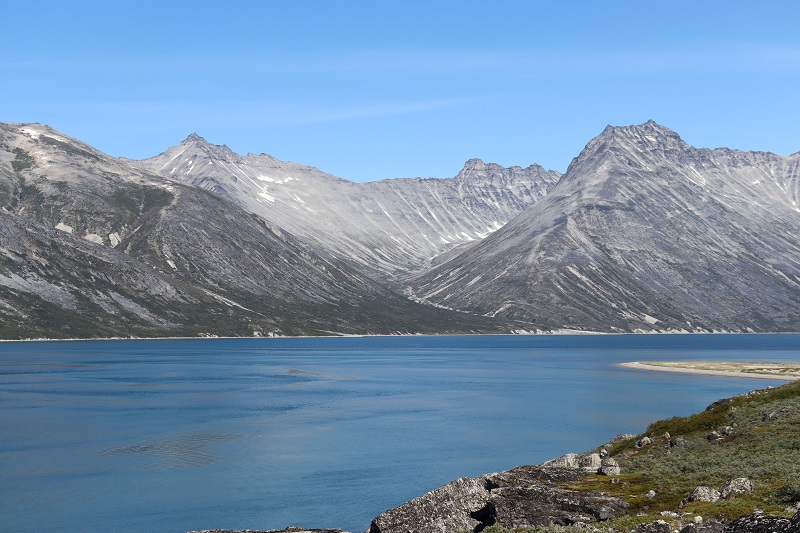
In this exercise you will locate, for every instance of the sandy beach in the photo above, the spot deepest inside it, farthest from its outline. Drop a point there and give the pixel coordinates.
(757, 370)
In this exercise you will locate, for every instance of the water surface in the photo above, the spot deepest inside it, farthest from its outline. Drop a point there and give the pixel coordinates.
(175, 435)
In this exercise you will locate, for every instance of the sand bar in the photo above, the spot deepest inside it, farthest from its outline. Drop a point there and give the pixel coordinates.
(737, 369)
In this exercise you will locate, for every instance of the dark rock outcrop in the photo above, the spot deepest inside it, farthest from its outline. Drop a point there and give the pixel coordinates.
(522, 497)
(659, 526)
(761, 523)
(752, 523)
(706, 526)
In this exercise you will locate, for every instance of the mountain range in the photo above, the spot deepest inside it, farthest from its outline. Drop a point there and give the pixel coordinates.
(642, 233)
(386, 227)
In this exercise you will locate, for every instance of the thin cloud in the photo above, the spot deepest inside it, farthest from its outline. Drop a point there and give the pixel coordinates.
(733, 57)
(262, 113)
(320, 115)
(717, 57)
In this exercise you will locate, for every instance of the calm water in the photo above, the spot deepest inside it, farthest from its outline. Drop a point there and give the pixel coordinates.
(171, 436)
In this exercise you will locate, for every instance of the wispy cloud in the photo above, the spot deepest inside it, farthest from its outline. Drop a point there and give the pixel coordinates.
(720, 56)
(259, 112)
(295, 115)
(716, 57)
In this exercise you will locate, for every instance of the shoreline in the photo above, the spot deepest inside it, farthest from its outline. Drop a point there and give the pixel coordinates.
(554, 333)
(636, 365)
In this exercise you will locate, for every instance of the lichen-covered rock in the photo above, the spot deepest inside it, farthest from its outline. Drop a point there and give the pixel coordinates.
(525, 496)
(760, 523)
(732, 487)
(705, 526)
(538, 505)
(678, 442)
(590, 462)
(704, 494)
(609, 467)
(448, 508)
(622, 438)
(569, 460)
(659, 526)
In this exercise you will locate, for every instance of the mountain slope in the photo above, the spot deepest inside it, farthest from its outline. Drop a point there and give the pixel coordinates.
(90, 246)
(387, 227)
(643, 233)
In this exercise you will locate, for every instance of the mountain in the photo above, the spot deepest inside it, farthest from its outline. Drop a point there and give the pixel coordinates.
(642, 233)
(383, 228)
(91, 246)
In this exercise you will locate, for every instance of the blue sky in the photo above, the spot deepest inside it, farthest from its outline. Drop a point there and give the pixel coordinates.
(370, 90)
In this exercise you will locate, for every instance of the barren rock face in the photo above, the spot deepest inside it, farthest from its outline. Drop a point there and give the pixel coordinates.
(386, 227)
(643, 233)
(92, 247)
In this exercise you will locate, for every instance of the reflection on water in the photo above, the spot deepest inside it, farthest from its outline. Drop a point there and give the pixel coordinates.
(172, 436)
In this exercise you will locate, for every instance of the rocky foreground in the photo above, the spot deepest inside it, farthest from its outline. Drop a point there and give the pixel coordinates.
(735, 467)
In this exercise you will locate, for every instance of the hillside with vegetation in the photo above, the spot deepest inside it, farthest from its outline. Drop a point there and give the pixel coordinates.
(754, 436)
(735, 467)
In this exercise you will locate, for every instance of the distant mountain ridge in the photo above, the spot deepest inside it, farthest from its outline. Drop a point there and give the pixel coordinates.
(92, 247)
(387, 227)
(643, 233)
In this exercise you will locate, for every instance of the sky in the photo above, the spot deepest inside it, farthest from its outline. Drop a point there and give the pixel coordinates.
(376, 89)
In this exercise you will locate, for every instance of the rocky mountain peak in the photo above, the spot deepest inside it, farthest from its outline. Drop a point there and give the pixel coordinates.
(650, 133)
(194, 138)
(477, 169)
(198, 143)
(473, 164)
(627, 143)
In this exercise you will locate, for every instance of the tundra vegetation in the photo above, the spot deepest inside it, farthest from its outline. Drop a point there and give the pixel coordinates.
(754, 436)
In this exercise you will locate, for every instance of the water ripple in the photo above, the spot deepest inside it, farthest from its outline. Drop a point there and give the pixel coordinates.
(179, 451)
